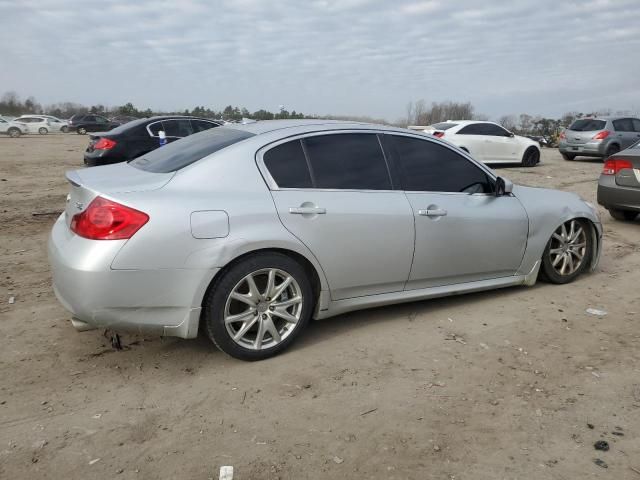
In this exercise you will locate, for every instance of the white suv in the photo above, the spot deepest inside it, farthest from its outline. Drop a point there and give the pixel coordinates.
(11, 128)
(35, 124)
(488, 142)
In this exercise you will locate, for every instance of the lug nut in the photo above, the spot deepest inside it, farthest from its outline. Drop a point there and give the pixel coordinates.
(271, 307)
(264, 317)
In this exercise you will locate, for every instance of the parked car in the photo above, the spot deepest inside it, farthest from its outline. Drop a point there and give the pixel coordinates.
(122, 119)
(598, 137)
(34, 124)
(83, 123)
(44, 124)
(619, 184)
(248, 231)
(12, 128)
(136, 138)
(488, 142)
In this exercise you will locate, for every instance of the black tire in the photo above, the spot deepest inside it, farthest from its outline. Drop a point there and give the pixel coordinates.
(43, 131)
(215, 303)
(64, 129)
(81, 131)
(612, 150)
(623, 215)
(14, 132)
(549, 273)
(531, 157)
(567, 156)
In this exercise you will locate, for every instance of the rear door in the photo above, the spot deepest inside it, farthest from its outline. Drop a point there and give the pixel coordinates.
(334, 193)
(463, 232)
(500, 146)
(625, 132)
(472, 139)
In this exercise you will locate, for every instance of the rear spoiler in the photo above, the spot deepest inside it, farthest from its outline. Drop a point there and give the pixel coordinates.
(73, 178)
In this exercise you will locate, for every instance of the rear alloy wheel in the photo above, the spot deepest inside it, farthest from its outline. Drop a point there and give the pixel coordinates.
(568, 252)
(258, 307)
(82, 131)
(531, 157)
(612, 150)
(14, 132)
(43, 131)
(567, 156)
(623, 215)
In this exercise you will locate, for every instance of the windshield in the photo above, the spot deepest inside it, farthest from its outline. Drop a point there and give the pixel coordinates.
(587, 125)
(179, 154)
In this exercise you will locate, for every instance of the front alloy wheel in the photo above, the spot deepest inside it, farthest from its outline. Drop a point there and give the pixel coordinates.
(258, 306)
(568, 251)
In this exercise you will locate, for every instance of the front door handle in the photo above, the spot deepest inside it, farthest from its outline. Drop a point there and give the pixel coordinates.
(307, 210)
(436, 212)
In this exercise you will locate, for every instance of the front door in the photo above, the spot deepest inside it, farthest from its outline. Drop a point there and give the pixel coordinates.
(334, 193)
(463, 232)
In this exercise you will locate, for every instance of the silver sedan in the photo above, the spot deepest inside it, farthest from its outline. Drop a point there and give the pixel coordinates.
(249, 231)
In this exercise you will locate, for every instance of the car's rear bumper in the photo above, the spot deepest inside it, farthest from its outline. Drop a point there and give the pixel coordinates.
(613, 196)
(592, 149)
(165, 302)
(101, 157)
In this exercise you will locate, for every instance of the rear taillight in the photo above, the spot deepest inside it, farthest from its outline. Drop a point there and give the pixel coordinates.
(601, 135)
(438, 134)
(108, 220)
(613, 165)
(562, 136)
(104, 144)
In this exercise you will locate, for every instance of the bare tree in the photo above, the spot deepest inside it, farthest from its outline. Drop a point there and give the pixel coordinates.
(509, 122)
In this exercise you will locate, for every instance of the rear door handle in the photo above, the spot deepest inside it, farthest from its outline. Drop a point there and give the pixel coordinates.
(437, 212)
(307, 210)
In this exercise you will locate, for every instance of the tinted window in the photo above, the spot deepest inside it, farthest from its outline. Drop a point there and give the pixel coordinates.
(623, 125)
(201, 125)
(2, 120)
(177, 128)
(155, 128)
(587, 125)
(473, 129)
(101, 120)
(429, 167)
(444, 126)
(494, 130)
(177, 155)
(89, 118)
(348, 161)
(288, 166)
(636, 124)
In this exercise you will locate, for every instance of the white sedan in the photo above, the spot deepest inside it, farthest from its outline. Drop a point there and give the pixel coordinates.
(488, 142)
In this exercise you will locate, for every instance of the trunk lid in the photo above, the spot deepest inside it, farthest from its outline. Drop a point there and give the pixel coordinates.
(108, 180)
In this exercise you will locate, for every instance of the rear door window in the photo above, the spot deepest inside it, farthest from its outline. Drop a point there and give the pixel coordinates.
(623, 125)
(177, 128)
(430, 167)
(352, 161)
(288, 166)
(587, 125)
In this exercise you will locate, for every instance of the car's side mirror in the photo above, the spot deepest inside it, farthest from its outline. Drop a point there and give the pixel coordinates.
(504, 186)
(511, 134)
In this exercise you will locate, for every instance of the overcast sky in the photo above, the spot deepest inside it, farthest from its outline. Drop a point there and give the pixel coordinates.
(361, 57)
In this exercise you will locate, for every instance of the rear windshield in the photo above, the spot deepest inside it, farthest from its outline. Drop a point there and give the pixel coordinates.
(444, 125)
(183, 152)
(587, 125)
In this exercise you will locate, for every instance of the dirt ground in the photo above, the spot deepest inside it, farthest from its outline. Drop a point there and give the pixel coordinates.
(510, 384)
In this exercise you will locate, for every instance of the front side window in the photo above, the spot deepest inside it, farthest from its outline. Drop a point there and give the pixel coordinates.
(202, 125)
(494, 130)
(636, 124)
(288, 166)
(352, 161)
(430, 167)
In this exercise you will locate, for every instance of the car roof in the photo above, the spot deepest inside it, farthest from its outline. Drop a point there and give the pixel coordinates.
(304, 125)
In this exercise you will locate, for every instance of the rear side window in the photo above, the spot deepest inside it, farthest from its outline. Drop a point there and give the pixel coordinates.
(623, 125)
(288, 166)
(201, 125)
(177, 128)
(587, 125)
(179, 154)
(155, 128)
(352, 161)
(429, 167)
(636, 124)
(444, 125)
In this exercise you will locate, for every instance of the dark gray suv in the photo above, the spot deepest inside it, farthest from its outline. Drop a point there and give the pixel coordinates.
(599, 137)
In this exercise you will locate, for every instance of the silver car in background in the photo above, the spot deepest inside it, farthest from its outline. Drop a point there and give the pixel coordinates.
(248, 231)
(598, 137)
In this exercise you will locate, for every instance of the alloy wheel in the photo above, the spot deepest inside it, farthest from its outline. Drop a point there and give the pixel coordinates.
(568, 248)
(263, 309)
